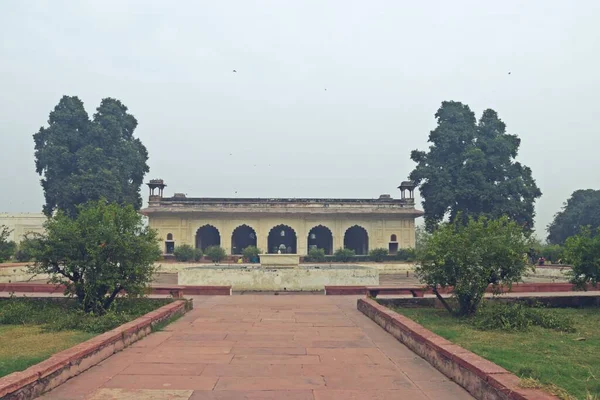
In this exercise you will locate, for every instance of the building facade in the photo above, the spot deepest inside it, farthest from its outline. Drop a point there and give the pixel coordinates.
(283, 225)
(20, 224)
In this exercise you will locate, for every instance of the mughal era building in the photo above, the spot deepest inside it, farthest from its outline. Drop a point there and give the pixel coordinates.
(283, 225)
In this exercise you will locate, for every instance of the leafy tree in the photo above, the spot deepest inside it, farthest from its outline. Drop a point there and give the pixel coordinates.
(581, 209)
(251, 253)
(7, 247)
(470, 257)
(470, 170)
(582, 251)
(215, 253)
(186, 253)
(81, 159)
(378, 255)
(104, 250)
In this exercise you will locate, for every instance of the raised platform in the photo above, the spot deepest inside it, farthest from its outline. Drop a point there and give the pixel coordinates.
(280, 260)
(302, 278)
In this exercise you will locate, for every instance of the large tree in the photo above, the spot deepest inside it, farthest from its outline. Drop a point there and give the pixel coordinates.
(81, 159)
(470, 169)
(582, 209)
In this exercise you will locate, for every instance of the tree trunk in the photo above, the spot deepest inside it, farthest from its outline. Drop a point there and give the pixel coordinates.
(442, 300)
(111, 298)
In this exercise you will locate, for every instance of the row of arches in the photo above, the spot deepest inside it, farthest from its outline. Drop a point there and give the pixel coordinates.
(281, 238)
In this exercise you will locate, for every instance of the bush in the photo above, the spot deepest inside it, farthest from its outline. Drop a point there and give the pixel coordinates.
(378, 255)
(582, 252)
(251, 253)
(102, 251)
(185, 253)
(552, 252)
(520, 317)
(7, 247)
(26, 249)
(316, 255)
(215, 253)
(406, 254)
(62, 314)
(344, 255)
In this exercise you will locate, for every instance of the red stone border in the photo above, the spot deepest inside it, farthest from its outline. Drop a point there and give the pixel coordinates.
(480, 377)
(516, 288)
(68, 363)
(24, 287)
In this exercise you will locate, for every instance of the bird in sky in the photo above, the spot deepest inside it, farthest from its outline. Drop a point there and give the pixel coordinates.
(509, 73)
(234, 70)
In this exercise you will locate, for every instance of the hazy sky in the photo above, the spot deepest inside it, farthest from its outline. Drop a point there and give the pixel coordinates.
(329, 97)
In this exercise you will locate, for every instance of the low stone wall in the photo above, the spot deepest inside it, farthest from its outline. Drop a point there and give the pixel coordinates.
(66, 364)
(23, 287)
(292, 279)
(17, 272)
(480, 377)
(572, 301)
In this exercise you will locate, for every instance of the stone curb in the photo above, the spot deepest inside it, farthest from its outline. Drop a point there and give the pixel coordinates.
(516, 288)
(68, 363)
(480, 377)
(24, 287)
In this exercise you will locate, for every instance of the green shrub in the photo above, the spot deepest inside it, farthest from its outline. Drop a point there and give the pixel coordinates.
(215, 253)
(63, 314)
(7, 247)
(185, 253)
(406, 254)
(316, 255)
(378, 255)
(27, 248)
(552, 252)
(251, 253)
(519, 317)
(344, 255)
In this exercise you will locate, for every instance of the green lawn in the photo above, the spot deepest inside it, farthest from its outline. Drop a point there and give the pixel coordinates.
(22, 346)
(548, 356)
(31, 330)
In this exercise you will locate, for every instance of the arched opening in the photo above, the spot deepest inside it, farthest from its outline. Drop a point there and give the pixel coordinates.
(320, 237)
(282, 239)
(393, 245)
(207, 236)
(169, 244)
(242, 237)
(356, 238)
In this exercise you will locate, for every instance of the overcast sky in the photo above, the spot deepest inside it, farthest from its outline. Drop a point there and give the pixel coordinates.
(329, 97)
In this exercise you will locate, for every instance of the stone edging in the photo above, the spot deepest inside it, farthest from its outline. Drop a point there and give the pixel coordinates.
(68, 363)
(480, 377)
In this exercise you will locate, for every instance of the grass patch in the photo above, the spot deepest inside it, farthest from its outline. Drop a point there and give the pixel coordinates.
(26, 345)
(31, 330)
(566, 363)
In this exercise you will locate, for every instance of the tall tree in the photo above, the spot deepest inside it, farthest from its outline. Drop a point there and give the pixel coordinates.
(581, 209)
(470, 169)
(81, 159)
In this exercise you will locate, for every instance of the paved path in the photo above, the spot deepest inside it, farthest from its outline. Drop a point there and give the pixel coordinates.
(265, 347)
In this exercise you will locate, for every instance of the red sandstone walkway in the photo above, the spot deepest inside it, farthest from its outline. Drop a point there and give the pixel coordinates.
(265, 347)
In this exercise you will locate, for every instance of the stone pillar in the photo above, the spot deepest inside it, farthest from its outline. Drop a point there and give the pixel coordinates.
(301, 245)
(262, 241)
